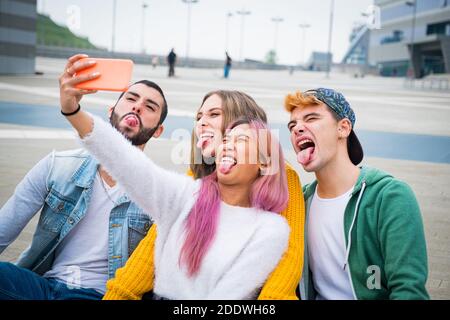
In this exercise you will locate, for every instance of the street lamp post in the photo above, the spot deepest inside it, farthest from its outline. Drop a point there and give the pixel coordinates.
(113, 40)
(414, 5)
(304, 26)
(276, 20)
(329, 39)
(144, 6)
(227, 24)
(189, 4)
(242, 13)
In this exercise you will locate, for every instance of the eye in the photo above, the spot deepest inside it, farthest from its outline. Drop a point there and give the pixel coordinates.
(131, 99)
(242, 138)
(311, 119)
(151, 108)
(214, 114)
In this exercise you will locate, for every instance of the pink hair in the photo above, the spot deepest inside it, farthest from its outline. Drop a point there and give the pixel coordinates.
(269, 192)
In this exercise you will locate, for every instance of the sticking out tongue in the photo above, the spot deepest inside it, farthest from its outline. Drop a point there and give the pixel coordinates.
(132, 121)
(304, 156)
(201, 143)
(225, 167)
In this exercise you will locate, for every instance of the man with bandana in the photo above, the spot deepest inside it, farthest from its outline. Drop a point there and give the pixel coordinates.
(364, 229)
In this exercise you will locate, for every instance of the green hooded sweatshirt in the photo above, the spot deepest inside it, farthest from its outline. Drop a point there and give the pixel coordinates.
(385, 242)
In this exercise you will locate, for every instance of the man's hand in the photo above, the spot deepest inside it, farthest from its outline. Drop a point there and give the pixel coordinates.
(69, 95)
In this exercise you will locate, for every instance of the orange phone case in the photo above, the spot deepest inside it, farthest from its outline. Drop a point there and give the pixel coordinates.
(115, 74)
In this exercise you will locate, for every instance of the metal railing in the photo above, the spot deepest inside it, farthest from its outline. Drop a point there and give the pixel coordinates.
(429, 83)
(64, 53)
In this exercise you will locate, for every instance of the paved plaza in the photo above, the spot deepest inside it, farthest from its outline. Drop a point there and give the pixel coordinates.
(405, 132)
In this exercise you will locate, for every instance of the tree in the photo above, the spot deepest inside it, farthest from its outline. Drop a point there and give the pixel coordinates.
(271, 57)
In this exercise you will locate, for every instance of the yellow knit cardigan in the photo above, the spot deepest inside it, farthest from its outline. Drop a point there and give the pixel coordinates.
(136, 278)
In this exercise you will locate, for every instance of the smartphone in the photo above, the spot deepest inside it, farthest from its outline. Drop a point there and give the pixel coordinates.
(115, 74)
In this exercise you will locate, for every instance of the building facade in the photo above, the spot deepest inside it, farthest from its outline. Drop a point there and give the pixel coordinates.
(358, 50)
(414, 38)
(319, 61)
(17, 36)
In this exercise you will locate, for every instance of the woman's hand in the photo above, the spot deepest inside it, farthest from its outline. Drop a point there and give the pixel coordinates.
(69, 95)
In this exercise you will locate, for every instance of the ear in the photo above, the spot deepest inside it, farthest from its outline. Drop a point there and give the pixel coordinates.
(158, 131)
(344, 128)
(110, 110)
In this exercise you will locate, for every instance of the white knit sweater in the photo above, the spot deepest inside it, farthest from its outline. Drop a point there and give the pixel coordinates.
(246, 248)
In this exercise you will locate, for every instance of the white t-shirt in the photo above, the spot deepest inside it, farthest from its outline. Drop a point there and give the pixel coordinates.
(326, 247)
(81, 260)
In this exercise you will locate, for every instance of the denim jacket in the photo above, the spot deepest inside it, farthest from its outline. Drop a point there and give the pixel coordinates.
(69, 187)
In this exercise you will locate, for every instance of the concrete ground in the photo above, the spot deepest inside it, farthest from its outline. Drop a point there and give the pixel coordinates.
(381, 105)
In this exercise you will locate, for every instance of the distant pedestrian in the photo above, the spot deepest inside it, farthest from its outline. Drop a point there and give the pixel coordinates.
(171, 60)
(291, 70)
(155, 61)
(227, 67)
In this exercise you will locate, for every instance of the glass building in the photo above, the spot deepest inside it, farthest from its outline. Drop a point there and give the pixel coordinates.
(414, 39)
(357, 52)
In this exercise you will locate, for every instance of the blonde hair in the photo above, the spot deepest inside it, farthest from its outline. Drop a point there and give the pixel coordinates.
(235, 104)
(299, 99)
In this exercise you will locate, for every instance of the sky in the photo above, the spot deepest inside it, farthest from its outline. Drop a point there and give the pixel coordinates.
(163, 25)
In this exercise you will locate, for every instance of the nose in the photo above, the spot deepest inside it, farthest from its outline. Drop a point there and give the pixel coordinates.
(201, 121)
(228, 145)
(137, 108)
(298, 128)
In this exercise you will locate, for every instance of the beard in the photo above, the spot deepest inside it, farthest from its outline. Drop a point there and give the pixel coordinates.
(141, 137)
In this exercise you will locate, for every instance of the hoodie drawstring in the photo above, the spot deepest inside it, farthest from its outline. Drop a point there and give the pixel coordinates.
(349, 242)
